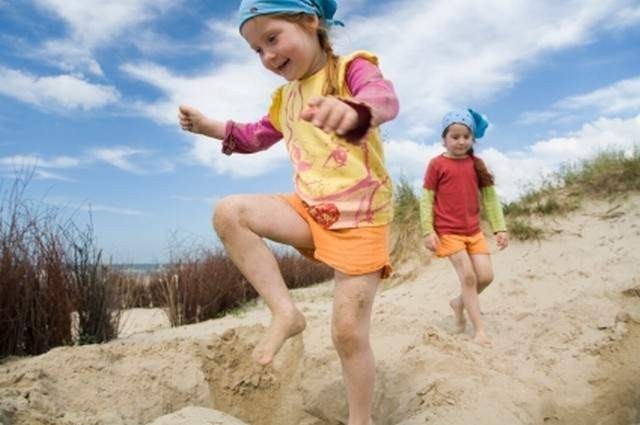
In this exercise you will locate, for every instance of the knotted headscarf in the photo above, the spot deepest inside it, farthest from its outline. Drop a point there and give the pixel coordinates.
(472, 119)
(324, 9)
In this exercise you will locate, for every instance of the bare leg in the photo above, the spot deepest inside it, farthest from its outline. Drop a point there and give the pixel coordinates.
(241, 222)
(457, 305)
(469, 285)
(483, 269)
(484, 273)
(350, 328)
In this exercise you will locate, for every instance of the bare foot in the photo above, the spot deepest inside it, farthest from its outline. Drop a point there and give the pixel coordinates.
(458, 314)
(281, 328)
(482, 339)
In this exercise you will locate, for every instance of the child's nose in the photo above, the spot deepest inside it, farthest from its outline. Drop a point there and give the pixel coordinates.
(269, 55)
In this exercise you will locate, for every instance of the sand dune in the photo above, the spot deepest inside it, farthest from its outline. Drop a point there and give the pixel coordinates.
(563, 314)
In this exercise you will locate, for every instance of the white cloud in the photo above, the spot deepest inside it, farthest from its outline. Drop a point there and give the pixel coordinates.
(90, 207)
(241, 91)
(37, 167)
(409, 158)
(33, 161)
(62, 91)
(517, 171)
(520, 170)
(228, 42)
(112, 210)
(621, 97)
(207, 152)
(93, 24)
(137, 161)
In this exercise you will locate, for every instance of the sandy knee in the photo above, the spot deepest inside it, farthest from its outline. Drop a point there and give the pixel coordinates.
(347, 339)
(228, 214)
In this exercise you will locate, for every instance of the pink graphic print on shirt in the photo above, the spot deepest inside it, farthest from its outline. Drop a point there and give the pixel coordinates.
(352, 205)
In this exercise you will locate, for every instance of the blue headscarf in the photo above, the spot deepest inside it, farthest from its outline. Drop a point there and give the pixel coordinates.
(476, 122)
(324, 9)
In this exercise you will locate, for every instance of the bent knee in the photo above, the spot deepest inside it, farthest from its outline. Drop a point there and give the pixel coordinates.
(228, 213)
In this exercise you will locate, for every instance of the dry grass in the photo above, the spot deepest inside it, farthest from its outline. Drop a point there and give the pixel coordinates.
(609, 175)
(406, 235)
(42, 281)
(94, 288)
(523, 231)
(35, 310)
(206, 285)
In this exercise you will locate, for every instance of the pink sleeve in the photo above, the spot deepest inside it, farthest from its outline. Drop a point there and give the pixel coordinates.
(250, 137)
(369, 88)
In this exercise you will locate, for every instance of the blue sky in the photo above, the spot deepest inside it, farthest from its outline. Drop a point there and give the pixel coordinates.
(89, 93)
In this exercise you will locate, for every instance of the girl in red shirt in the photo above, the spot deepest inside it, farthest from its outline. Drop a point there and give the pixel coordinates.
(454, 185)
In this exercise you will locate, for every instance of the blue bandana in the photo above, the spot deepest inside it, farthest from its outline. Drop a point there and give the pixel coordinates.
(476, 122)
(324, 9)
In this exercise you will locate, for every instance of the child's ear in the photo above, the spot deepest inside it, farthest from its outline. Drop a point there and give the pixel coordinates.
(312, 22)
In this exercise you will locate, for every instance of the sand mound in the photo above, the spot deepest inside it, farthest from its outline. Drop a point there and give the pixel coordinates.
(563, 315)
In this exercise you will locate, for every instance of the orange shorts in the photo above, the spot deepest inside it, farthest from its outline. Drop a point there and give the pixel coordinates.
(450, 244)
(354, 251)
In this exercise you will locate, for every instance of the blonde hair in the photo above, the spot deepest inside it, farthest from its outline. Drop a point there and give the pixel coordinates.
(331, 85)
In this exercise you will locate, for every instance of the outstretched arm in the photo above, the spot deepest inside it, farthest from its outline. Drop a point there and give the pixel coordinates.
(191, 119)
(236, 137)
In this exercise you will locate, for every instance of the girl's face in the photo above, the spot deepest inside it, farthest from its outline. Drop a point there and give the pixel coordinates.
(289, 49)
(458, 140)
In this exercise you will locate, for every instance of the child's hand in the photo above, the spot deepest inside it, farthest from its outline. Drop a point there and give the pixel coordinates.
(502, 240)
(191, 119)
(330, 115)
(431, 242)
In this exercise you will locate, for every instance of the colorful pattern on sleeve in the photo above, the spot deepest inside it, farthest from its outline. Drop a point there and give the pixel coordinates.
(343, 184)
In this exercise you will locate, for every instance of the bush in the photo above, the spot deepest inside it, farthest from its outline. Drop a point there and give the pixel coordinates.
(520, 230)
(406, 234)
(206, 285)
(46, 276)
(607, 175)
(95, 290)
(35, 307)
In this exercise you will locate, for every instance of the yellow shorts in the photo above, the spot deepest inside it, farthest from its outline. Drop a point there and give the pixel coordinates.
(450, 244)
(353, 251)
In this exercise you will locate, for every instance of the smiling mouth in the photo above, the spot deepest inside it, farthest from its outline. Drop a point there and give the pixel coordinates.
(284, 64)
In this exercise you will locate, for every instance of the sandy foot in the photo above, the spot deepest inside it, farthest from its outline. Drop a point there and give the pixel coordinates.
(482, 339)
(280, 329)
(458, 314)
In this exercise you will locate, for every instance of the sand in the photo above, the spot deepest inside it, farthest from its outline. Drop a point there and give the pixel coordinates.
(563, 315)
